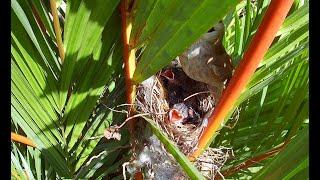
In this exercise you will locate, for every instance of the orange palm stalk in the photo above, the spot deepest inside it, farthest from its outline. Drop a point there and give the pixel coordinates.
(129, 62)
(22, 139)
(129, 67)
(271, 22)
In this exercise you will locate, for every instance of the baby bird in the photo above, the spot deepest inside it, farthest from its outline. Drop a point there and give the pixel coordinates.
(208, 62)
(181, 113)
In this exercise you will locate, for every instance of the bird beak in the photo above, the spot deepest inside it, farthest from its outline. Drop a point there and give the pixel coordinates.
(168, 74)
(216, 34)
(175, 116)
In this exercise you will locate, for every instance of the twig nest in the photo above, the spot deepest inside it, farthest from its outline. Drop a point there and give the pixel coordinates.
(181, 107)
(177, 104)
(212, 160)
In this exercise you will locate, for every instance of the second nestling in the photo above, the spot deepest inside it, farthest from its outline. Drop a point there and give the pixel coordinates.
(206, 61)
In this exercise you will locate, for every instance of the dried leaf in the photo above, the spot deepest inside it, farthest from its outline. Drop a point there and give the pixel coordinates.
(112, 133)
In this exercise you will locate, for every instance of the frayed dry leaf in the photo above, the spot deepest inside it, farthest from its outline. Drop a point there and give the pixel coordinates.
(112, 133)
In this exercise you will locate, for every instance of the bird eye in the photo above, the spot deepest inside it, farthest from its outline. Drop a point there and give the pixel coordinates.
(211, 29)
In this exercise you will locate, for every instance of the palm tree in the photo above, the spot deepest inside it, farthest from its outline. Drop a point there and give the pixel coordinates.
(64, 87)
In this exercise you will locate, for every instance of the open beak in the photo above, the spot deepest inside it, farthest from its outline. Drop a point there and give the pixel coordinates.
(175, 116)
(168, 74)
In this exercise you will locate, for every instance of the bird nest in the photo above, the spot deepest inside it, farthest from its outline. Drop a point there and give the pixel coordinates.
(180, 106)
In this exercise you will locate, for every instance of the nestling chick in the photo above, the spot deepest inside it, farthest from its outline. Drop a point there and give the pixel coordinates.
(181, 113)
(208, 62)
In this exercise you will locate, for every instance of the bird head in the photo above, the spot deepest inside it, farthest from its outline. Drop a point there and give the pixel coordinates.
(215, 35)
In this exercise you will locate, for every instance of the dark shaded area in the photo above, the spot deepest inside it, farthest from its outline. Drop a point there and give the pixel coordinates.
(5, 90)
(182, 89)
(314, 89)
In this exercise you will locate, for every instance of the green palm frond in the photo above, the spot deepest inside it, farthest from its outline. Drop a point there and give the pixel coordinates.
(274, 104)
(286, 166)
(39, 81)
(168, 31)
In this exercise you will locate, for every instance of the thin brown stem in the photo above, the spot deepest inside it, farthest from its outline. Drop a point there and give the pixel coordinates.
(195, 94)
(131, 118)
(57, 29)
(38, 19)
(253, 160)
